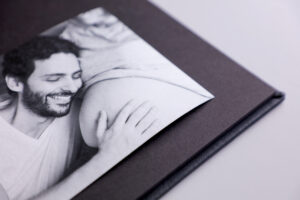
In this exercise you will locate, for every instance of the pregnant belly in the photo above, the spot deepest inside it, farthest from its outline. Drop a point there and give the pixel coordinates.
(111, 95)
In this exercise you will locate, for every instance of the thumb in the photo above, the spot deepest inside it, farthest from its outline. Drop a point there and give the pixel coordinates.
(102, 124)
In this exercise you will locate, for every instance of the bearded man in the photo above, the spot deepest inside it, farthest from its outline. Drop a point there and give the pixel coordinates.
(40, 136)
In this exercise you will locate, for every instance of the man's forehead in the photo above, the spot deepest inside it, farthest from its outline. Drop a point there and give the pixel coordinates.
(57, 63)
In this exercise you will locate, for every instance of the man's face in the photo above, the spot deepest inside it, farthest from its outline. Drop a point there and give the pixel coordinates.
(50, 88)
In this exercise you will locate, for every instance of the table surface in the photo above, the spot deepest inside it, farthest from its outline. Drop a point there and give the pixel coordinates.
(264, 37)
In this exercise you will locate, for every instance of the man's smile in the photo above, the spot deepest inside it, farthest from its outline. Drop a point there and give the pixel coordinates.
(59, 99)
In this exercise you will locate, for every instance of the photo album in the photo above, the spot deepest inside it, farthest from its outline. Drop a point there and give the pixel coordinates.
(113, 100)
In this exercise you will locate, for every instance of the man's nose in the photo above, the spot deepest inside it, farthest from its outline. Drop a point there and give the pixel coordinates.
(72, 85)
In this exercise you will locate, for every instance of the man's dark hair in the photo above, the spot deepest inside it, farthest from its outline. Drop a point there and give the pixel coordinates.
(19, 62)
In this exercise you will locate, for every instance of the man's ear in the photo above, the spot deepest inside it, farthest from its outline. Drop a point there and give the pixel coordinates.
(14, 84)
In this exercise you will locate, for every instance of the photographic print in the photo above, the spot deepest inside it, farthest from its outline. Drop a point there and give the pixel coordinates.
(79, 98)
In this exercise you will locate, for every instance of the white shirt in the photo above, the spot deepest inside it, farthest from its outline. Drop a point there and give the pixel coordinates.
(28, 165)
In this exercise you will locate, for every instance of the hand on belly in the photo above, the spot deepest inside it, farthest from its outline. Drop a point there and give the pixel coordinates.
(111, 96)
(128, 131)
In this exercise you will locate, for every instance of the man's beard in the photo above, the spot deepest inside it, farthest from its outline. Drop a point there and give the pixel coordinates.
(38, 103)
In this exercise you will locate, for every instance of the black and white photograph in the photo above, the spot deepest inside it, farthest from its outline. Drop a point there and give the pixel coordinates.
(78, 99)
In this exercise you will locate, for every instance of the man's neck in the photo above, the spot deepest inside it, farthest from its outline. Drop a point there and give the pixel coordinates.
(25, 120)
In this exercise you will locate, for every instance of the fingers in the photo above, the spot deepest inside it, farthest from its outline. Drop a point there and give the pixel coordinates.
(151, 130)
(137, 119)
(139, 113)
(148, 120)
(101, 125)
(124, 114)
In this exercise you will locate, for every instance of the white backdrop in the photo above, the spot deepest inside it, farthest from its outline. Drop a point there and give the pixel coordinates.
(264, 37)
